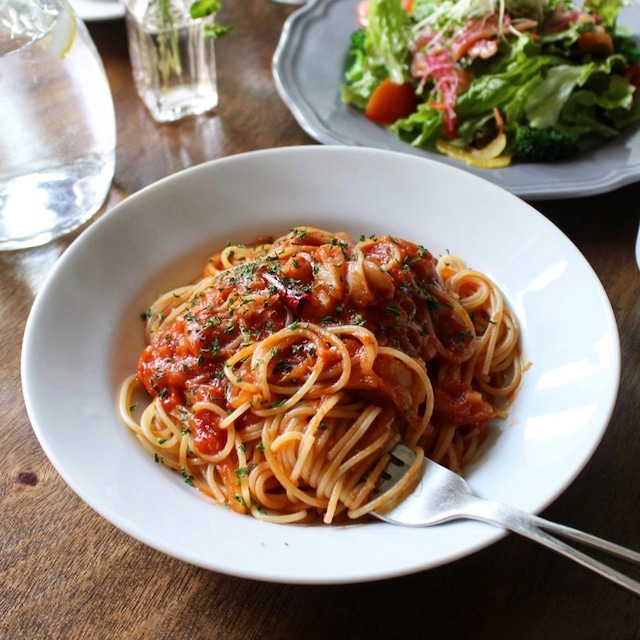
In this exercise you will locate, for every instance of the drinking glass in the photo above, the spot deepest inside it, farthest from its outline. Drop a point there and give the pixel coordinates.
(57, 138)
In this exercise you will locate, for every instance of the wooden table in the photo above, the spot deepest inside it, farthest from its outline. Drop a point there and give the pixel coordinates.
(66, 573)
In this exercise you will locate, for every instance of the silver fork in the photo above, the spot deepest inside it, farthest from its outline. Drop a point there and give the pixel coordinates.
(443, 495)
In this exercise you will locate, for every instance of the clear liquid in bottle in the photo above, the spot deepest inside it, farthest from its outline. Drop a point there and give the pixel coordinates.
(173, 63)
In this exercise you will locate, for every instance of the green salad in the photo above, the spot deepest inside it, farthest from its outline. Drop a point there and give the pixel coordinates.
(490, 82)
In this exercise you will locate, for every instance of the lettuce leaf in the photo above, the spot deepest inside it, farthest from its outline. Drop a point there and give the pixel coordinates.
(607, 9)
(546, 99)
(545, 105)
(387, 43)
(385, 52)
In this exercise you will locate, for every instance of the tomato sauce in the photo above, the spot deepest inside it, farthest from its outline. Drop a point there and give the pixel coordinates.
(401, 302)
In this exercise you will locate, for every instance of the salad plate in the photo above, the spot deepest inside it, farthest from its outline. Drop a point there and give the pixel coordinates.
(84, 336)
(308, 67)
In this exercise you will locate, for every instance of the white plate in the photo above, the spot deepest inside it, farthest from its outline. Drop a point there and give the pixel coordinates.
(84, 335)
(94, 10)
(308, 70)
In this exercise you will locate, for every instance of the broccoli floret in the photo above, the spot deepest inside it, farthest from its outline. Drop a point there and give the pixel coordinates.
(543, 145)
(356, 40)
(356, 56)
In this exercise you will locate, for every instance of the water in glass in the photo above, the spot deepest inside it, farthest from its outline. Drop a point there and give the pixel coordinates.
(57, 141)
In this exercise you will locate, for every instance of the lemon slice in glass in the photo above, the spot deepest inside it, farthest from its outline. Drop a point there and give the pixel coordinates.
(23, 22)
(61, 38)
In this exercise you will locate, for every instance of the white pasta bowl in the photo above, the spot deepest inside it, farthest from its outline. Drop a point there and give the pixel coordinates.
(84, 336)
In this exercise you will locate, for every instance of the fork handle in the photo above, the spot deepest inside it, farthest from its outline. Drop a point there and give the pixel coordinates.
(587, 538)
(535, 528)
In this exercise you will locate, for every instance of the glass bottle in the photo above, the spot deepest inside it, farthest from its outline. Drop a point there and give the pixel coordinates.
(173, 62)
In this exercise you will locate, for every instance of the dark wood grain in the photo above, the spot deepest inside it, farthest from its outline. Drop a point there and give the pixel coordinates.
(67, 573)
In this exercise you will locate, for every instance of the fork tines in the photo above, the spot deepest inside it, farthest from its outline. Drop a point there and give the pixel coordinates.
(401, 459)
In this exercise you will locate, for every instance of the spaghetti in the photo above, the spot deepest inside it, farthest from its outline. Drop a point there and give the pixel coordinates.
(282, 378)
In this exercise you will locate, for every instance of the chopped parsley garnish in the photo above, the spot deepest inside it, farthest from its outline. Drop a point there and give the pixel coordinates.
(187, 478)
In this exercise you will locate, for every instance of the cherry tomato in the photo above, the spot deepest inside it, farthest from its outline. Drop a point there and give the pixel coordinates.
(390, 101)
(597, 42)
